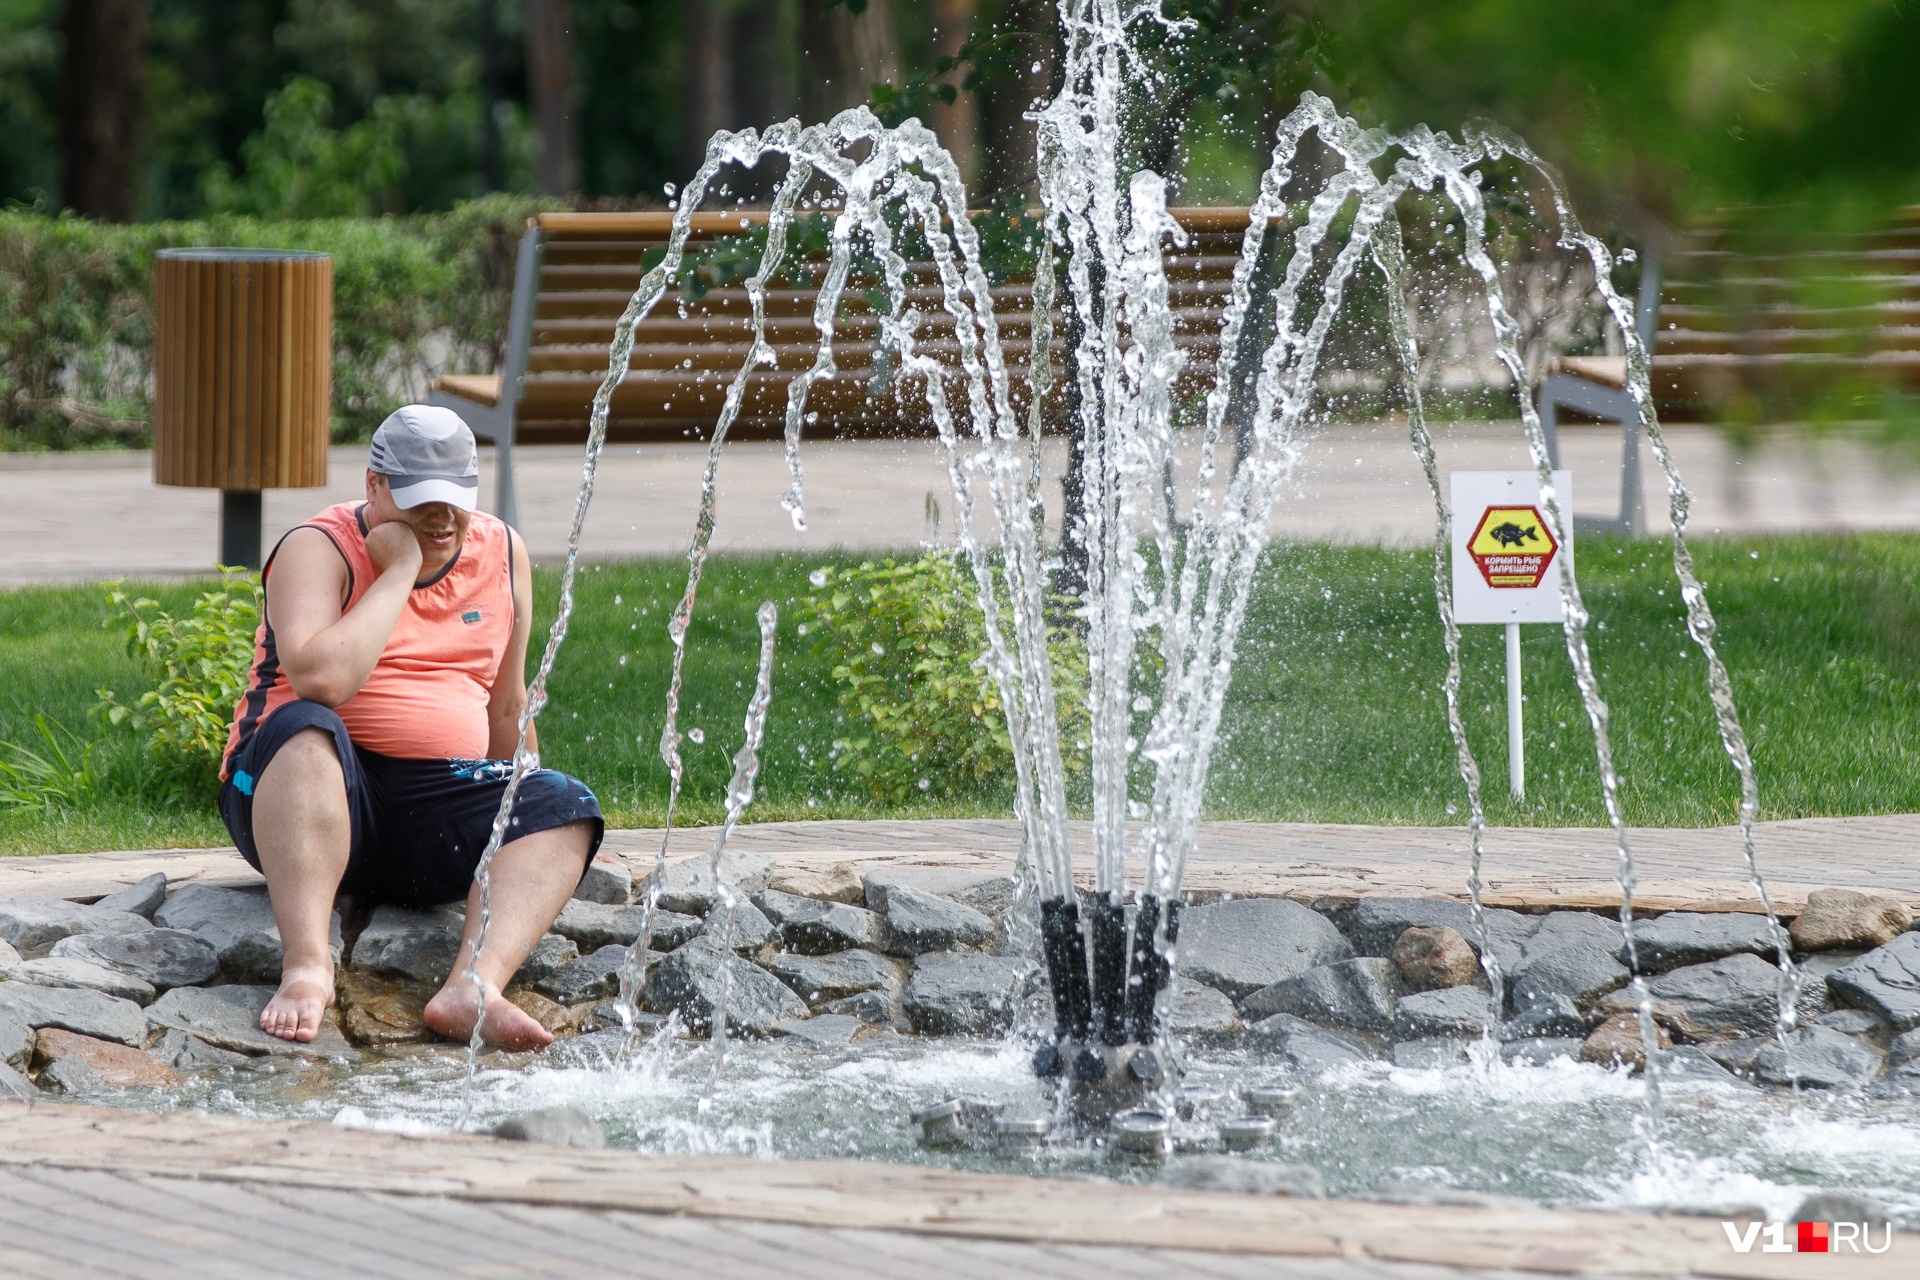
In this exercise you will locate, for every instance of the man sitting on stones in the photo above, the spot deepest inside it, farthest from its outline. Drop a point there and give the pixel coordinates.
(373, 745)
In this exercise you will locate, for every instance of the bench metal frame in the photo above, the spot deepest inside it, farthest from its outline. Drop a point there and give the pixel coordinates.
(1615, 404)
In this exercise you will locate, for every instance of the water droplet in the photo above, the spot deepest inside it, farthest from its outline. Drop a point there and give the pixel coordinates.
(669, 189)
(924, 784)
(1143, 703)
(878, 651)
(818, 577)
(696, 736)
(623, 659)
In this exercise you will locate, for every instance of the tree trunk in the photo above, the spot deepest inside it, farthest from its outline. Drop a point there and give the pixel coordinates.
(733, 76)
(843, 56)
(706, 78)
(550, 86)
(100, 96)
(957, 124)
(1007, 136)
(492, 168)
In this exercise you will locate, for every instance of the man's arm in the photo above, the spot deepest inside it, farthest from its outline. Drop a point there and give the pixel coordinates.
(509, 694)
(326, 652)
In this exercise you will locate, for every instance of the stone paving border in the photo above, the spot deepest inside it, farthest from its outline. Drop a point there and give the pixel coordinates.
(907, 1198)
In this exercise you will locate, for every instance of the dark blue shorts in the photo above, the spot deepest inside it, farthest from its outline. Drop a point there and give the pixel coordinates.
(419, 826)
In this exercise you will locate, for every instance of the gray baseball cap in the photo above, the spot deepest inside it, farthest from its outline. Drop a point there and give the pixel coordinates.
(427, 454)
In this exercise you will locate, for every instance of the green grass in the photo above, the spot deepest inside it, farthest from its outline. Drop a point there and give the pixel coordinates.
(1335, 715)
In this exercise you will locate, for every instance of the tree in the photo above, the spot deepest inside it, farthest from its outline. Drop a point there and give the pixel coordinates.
(846, 47)
(957, 123)
(100, 102)
(550, 90)
(733, 75)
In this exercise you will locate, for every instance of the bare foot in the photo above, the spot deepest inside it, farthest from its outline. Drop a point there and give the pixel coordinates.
(294, 1013)
(505, 1025)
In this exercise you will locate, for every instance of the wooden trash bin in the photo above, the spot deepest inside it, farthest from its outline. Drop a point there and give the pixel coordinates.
(242, 379)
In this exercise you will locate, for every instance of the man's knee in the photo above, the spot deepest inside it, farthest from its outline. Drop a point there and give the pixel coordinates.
(307, 760)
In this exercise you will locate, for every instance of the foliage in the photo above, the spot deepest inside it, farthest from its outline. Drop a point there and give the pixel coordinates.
(198, 664)
(299, 166)
(412, 296)
(907, 642)
(51, 776)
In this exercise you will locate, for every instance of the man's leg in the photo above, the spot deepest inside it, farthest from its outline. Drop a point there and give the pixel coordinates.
(303, 832)
(532, 879)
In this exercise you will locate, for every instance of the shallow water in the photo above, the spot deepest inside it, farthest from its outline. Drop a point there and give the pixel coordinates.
(1565, 1134)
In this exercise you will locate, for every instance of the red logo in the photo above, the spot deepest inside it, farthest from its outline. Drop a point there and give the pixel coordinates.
(1512, 546)
(1813, 1237)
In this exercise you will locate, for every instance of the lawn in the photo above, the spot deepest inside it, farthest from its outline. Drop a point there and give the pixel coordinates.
(1335, 715)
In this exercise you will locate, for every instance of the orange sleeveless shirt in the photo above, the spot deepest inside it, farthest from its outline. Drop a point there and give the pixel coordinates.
(427, 696)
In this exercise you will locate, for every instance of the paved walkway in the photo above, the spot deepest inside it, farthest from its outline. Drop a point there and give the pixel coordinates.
(96, 1192)
(1691, 869)
(94, 516)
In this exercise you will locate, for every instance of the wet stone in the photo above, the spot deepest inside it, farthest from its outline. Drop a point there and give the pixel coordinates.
(1692, 1063)
(606, 881)
(1689, 937)
(1454, 1012)
(1905, 1048)
(1729, 999)
(1375, 924)
(821, 980)
(16, 1039)
(1432, 957)
(691, 982)
(183, 1052)
(86, 1013)
(985, 892)
(1552, 1016)
(688, 886)
(1248, 1177)
(919, 922)
(1540, 1050)
(558, 1126)
(142, 898)
(547, 957)
(1430, 1054)
(421, 945)
(1350, 993)
(1836, 918)
(239, 925)
(1198, 1012)
(1736, 1055)
(1818, 1058)
(163, 958)
(1305, 1047)
(593, 925)
(965, 994)
(1851, 1022)
(115, 1066)
(557, 1018)
(10, 957)
(229, 1018)
(32, 925)
(836, 883)
(66, 971)
(1244, 945)
(876, 1008)
(1558, 929)
(1841, 1206)
(1580, 974)
(15, 1085)
(750, 927)
(1618, 1042)
(820, 928)
(1885, 981)
(829, 1030)
(591, 977)
(377, 1009)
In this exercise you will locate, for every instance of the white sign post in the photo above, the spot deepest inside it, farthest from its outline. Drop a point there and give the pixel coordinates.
(1506, 569)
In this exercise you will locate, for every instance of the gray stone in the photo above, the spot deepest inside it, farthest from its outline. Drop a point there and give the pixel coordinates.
(1249, 1177)
(1429, 1055)
(606, 1018)
(1691, 937)
(829, 1030)
(142, 898)
(750, 928)
(557, 1126)
(1885, 981)
(1454, 1012)
(239, 924)
(1246, 944)
(606, 882)
(593, 925)
(1730, 999)
(547, 957)
(229, 1018)
(1905, 1047)
(1815, 998)
(421, 945)
(965, 994)
(1552, 1015)
(190, 1053)
(15, 1085)
(821, 980)
(1818, 1058)
(816, 928)
(1736, 1055)
(595, 976)
(16, 1040)
(9, 957)
(34, 924)
(1851, 1022)
(692, 983)
(918, 922)
(1197, 1012)
(86, 1013)
(1692, 1063)
(1375, 924)
(1580, 973)
(66, 971)
(163, 958)
(1306, 1047)
(1899, 1082)
(1559, 929)
(989, 893)
(1350, 993)
(688, 887)
(1540, 1050)
(71, 1077)
(1841, 1206)
(877, 1008)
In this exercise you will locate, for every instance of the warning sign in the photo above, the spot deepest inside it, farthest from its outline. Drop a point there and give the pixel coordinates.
(1513, 546)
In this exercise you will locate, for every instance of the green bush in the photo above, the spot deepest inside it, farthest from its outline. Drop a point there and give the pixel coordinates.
(413, 297)
(199, 667)
(906, 641)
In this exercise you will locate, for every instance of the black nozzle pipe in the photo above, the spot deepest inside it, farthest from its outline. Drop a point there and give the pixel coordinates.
(1063, 946)
(1148, 972)
(1109, 938)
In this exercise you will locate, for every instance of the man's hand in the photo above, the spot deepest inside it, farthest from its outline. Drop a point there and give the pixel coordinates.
(392, 546)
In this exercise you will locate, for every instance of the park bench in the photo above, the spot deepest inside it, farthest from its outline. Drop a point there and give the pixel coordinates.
(1751, 336)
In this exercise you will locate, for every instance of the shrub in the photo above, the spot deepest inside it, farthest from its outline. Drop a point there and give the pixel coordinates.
(199, 667)
(54, 774)
(906, 642)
